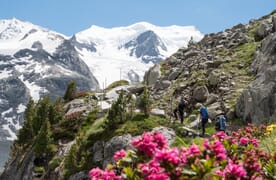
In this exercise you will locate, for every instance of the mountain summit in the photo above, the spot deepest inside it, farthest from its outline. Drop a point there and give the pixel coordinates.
(112, 53)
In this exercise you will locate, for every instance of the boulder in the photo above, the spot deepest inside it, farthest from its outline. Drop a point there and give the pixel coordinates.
(200, 93)
(152, 75)
(98, 149)
(214, 78)
(83, 175)
(158, 112)
(77, 105)
(113, 145)
(214, 110)
(174, 74)
(211, 99)
(262, 31)
(136, 89)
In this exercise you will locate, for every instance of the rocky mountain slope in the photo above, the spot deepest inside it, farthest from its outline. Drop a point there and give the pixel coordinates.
(231, 72)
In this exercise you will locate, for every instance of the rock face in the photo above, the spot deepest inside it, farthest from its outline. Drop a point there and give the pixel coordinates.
(258, 102)
(38, 73)
(146, 46)
(24, 172)
(152, 75)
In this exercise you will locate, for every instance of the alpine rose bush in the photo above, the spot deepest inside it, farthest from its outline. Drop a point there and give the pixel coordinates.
(220, 157)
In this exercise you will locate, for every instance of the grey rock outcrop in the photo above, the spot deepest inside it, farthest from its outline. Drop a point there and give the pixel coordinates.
(258, 102)
(152, 75)
(113, 145)
(25, 172)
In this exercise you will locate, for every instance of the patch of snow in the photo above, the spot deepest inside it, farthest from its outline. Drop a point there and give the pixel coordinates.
(7, 112)
(33, 88)
(5, 73)
(21, 108)
(12, 134)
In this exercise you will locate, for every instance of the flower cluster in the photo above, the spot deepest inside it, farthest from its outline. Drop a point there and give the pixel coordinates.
(269, 129)
(221, 157)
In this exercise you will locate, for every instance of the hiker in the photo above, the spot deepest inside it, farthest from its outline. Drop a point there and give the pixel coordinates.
(180, 110)
(220, 124)
(203, 117)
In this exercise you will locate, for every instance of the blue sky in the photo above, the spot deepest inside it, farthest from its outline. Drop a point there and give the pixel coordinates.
(71, 16)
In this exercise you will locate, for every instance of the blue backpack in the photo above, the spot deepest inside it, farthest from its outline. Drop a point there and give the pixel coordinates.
(221, 123)
(204, 113)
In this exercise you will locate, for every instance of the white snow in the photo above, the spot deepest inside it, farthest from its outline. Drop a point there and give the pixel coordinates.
(7, 112)
(33, 88)
(11, 123)
(5, 73)
(16, 35)
(111, 62)
(21, 108)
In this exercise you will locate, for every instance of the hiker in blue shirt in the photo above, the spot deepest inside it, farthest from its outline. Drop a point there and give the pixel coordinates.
(203, 117)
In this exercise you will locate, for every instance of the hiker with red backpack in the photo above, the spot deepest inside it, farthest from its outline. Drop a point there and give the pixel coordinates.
(203, 118)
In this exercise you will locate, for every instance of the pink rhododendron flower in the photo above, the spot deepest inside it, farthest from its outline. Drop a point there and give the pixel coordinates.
(193, 150)
(244, 140)
(255, 142)
(151, 167)
(161, 176)
(119, 155)
(170, 155)
(206, 144)
(96, 174)
(220, 135)
(160, 140)
(219, 150)
(148, 143)
(235, 170)
(108, 175)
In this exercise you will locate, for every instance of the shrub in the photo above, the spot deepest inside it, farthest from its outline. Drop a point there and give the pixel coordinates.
(220, 157)
(55, 162)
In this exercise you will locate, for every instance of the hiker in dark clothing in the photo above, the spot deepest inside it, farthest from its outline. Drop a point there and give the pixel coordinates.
(180, 110)
(203, 117)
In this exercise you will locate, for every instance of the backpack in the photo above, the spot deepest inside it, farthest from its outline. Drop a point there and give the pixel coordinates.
(204, 113)
(220, 123)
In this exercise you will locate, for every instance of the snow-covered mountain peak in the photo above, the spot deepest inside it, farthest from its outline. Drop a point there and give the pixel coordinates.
(16, 34)
(111, 53)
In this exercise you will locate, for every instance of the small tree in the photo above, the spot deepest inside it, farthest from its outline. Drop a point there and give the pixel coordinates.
(56, 111)
(25, 134)
(71, 91)
(117, 112)
(43, 140)
(42, 113)
(144, 102)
